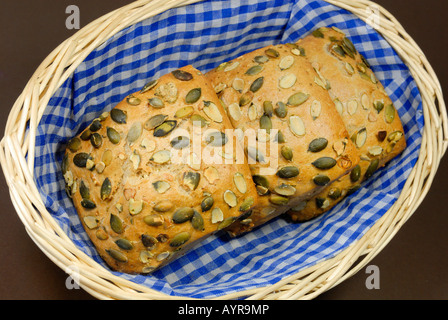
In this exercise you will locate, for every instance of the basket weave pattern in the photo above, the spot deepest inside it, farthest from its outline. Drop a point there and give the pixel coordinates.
(17, 160)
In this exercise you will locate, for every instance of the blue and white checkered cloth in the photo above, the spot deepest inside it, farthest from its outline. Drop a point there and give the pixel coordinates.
(204, 35)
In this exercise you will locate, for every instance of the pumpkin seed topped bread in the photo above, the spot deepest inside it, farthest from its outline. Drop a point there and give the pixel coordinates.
(366, 109)
(142, 190)
(294, 138)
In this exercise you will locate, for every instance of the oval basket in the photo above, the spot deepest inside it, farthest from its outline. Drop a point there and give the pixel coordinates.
(17, 158)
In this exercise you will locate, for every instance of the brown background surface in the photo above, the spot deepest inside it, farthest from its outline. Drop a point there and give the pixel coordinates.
(412, 266)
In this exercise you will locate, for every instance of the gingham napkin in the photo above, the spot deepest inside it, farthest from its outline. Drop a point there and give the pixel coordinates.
(204, 35)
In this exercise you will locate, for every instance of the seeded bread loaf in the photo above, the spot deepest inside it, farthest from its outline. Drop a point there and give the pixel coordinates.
(366, 109)
(147, 178)
(295, 140)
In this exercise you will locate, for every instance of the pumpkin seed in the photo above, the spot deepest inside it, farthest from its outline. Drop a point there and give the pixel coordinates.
(339, 106)
(235, 111)
(322, 203)
(278, 199)
(133, 101)
(286, 62)
(106, 189)
(161, 157)
(285, 190)
(117, 255)
(118, 115)
(183, 215)
(96, 140)
(165, 128)
(134, 132)
(360, 137)
(281, 111)
(373, 166)
(153, 220)
(255, 154)
(88, 204)
(302, 205)
(86, 135)
(318, 33)
(180, 239)
(389, 113)
(91, 222)
(232, 66)
(375, 151)
(355, 174)
(90, 165)
(113, 135)
(321, 180)
(212, 111)
(226, 222)
(193, 95)
(217, 215)
(124, 244)
(240, 182)
(252, 71)
(251, 113)
(207, 203)
(95, 126)
(148, 241)
(220, 87)
(349, 68)
(315, 109)
(286, 153)
(198, 120)
(156, 102)
(154, 121)
(365, 102)
(216, 139)
(288, 172)
(265, 123)
(197, 221)
(247, 204)
(151, 84)
(261, 181)
(352, 106)
(135, 206)
(84, 191)
(182, 75)
(287, 81)
(257, 84)
(101, 234)
(116, 224)
(184, 112)
(80, 159)
(180, 142)
(279, 137)
(334, 193)
(268, 108)
(104, 116)
(346, 41)
(317, 145)
(297, 99)
(261, 59)
(238, 84)
(272, 53)
(230, 198)
(246, 98)
(395, 136)
(297, 126)
(191, 179)
(324, 163)
(74, 144)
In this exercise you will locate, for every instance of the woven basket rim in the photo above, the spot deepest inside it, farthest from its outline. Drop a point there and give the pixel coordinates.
(306, 284)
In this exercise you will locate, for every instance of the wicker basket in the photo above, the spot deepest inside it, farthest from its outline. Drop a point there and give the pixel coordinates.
(17, 160)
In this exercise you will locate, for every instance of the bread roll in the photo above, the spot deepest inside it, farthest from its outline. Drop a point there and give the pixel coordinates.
(158, 173)
(367, 111)
(294, 138)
